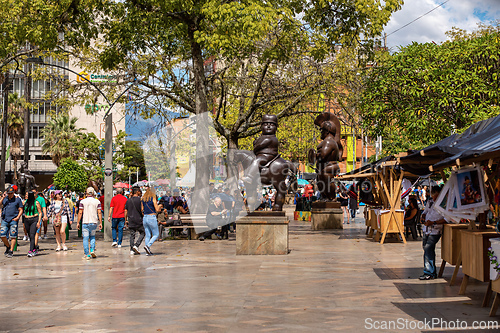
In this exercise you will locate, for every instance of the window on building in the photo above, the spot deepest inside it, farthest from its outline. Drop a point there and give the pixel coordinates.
(36, 136)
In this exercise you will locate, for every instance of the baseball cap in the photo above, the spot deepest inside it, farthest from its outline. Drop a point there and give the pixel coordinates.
(90, 190)
(57, 191)
(14, 187)
(10, 190)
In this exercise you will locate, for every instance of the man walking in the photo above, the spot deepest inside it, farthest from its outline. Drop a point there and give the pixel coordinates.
(90, 210)
(133, 218)
(12, 209)
(43, 204)
(117, 216)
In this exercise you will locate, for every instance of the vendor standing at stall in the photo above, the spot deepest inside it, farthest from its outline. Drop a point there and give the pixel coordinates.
(432, 229)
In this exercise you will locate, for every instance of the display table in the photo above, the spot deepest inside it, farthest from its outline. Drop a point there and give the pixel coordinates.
(495, 277)
(475, 261)
(262, 233)
(386, 224)
(451, 245)
(371, 221)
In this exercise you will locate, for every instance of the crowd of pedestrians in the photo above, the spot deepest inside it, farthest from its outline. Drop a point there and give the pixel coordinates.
(140, 211)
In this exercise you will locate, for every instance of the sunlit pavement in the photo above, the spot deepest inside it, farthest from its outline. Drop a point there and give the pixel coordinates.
(331, 281)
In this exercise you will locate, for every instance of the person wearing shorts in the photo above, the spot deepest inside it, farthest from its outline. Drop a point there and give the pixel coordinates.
(12, 209)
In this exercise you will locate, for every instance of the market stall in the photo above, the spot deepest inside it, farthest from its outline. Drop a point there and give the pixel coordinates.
(470, 193)
(380, 189)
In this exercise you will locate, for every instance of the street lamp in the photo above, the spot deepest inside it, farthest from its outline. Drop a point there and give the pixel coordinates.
(108, 141)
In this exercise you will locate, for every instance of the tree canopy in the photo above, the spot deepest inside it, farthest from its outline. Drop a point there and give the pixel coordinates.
(425, 92)
(71, 176)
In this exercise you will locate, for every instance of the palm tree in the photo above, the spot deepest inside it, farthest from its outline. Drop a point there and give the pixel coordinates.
(60, 136)
(15, 126)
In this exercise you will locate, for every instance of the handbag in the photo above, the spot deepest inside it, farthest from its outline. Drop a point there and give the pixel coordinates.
(57, 220)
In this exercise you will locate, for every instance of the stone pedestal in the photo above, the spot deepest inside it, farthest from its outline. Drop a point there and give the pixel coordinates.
(326, 215)
(262, 233)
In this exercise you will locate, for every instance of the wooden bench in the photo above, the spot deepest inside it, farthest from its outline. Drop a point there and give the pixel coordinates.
(192, 222)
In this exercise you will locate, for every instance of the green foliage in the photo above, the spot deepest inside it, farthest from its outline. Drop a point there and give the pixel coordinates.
(61, 138)
(425, 92)
(133, 158)
(71, 176)
(15, 122)
(41, 24)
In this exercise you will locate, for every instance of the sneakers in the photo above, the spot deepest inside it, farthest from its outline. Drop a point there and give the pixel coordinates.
(93, 254)
(136, 250)
(58, 249)
(10, 254)
(119, 245)
(426, 277)
(45, 236)
(115, 244)
(201, 238)
(31, 254)
(25, 238)
(86, 257)
(65, 248)
(132, 252)
(7, 249)
(148, 250)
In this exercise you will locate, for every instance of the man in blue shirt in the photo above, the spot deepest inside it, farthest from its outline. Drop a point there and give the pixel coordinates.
(11, 211)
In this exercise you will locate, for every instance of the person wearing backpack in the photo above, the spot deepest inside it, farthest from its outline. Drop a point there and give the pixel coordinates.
(133, 219)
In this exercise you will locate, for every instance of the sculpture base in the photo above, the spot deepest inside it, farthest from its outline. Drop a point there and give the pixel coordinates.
(326, 215)
(325, 204)
(262, 233)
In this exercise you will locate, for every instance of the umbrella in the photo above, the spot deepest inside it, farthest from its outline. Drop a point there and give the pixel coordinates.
(302, 182)
(163, 182)
(122, 185)
(141, 183)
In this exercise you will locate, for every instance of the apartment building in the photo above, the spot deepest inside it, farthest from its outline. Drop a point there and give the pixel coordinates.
(40, 164)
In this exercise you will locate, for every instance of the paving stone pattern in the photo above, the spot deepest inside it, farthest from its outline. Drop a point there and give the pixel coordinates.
(332, 280)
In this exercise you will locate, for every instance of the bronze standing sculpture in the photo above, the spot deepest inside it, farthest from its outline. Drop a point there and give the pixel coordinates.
(26, 180)
(327, 154)
(265, 164)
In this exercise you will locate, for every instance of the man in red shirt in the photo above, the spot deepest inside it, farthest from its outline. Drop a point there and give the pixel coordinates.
(117, 216)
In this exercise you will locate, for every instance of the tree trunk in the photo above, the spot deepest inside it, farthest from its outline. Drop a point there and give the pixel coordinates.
(5, 90)
(232, 168)
(201, 194)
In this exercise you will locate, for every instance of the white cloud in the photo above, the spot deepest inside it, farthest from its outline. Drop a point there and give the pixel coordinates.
(463, 14)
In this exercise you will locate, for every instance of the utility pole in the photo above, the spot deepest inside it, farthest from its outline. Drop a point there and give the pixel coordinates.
(108, 177)
(5, 90)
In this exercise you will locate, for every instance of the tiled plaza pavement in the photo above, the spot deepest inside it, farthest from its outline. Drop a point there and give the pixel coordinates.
(330, 281)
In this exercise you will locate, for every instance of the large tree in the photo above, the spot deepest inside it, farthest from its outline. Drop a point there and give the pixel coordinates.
(15, 127)
(425, 92)
(252, 43)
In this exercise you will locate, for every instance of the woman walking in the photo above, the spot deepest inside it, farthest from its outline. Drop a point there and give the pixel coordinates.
(32, 219)
(344, 200)
(150, 208)
(60, 214)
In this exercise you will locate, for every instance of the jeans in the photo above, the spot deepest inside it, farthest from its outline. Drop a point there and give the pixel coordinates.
(30, 225)
(429, 244)
(133, 230)
(117, 225)
(88, 232)
(151, 228)
(9, 229)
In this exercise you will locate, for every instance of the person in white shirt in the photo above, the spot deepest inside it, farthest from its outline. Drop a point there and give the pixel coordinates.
(90, 215)
(433, 226)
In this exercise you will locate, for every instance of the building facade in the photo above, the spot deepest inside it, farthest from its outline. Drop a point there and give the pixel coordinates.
(40, 164)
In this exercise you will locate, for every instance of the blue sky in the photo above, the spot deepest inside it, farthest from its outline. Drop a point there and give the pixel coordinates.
(463, 14)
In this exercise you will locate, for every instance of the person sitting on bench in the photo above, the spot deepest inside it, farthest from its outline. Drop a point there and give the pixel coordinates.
(216, 217)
